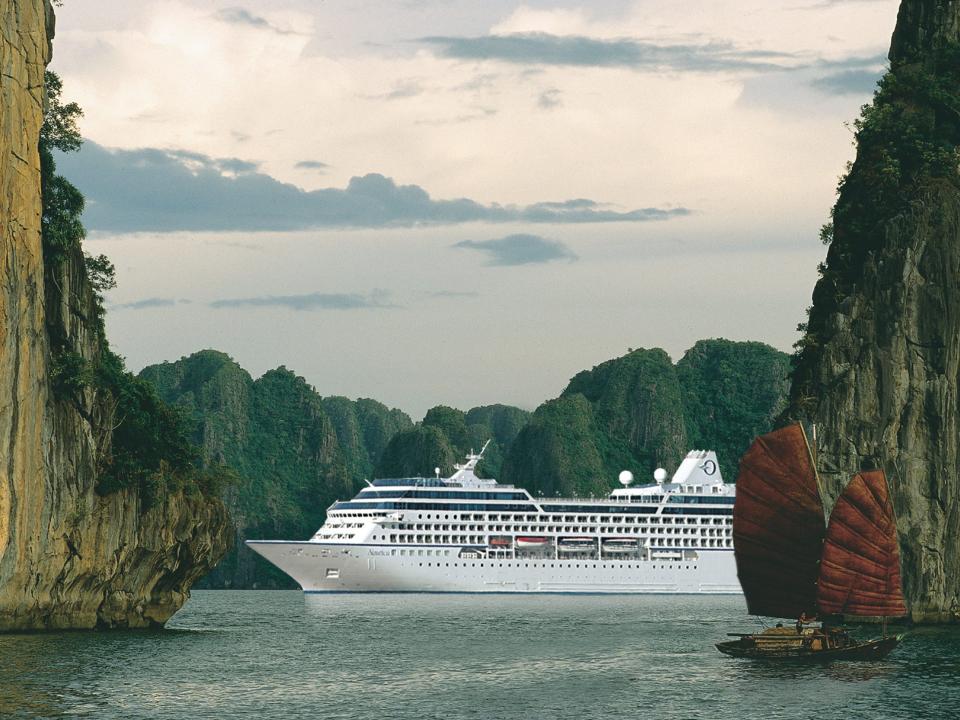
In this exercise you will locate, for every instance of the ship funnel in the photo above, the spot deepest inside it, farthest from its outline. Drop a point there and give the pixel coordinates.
(699, 467)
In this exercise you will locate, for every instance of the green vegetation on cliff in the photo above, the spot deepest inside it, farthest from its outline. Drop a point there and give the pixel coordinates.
(907, 138)
(140, 442)
(639, 412)
(446, 435)
(294, 452)
(364, 427)
(732, 392)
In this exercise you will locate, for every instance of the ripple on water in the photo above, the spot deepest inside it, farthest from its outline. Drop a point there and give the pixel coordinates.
(282, 655)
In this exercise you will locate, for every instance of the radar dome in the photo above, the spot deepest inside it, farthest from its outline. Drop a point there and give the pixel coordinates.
(626, 477)
(659, 475)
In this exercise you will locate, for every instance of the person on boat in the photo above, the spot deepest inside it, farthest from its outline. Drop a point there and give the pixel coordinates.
(803, 620)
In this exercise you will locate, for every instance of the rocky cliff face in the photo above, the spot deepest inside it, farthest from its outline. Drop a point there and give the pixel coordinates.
(69, 557)
(445, 436)
(295, 453)
(640, 411)
(879, 367)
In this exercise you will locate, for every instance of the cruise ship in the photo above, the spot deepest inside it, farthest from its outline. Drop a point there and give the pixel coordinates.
(468, 534)
(473, 535)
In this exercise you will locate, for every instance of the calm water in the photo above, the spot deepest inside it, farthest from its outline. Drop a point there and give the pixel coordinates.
(283, 655)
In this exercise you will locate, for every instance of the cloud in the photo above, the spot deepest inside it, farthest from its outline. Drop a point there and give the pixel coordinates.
(312, 301)
(236, 165)
(453, 294)
(545, 49)
(848, 82)
(242, 16)
(401, 91)
(195, 161)
(311, 165)
(479, 114)
(549, 99)
(804, 88)
(520, 249)
(149, 189)
(154, 302)
(834, 3)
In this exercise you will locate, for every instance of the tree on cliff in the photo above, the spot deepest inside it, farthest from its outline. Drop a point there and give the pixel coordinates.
(446, 435)
(141, 442)
(62, 201)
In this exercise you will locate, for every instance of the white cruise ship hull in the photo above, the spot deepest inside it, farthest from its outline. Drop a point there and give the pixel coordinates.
(338, 567)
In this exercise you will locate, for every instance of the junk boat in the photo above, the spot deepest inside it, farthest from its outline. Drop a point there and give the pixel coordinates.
(791, 564)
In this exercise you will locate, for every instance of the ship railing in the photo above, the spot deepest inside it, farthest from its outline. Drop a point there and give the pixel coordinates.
(593, 501)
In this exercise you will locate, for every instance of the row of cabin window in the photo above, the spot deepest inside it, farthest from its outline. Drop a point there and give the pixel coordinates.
(482, 564)
(479, 540)
(574, 529)
(546, 519)
(552, 524)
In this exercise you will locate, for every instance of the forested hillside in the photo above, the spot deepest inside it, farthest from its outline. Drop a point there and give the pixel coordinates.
(446, 435)
(640, 411)
(294, 452)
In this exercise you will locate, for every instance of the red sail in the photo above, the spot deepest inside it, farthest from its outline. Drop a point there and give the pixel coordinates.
(860, 570)
(778, 525)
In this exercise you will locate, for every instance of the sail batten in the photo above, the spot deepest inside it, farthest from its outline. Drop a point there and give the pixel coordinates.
(778, 525)
(860, 570)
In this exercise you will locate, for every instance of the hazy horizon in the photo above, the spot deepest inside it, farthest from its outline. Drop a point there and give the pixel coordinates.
(459, 203)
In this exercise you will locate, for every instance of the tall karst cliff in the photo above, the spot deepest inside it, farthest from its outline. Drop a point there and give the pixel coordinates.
(640, 411)
(445, 436)
(879, 367)
(294, 452)
(73, 552)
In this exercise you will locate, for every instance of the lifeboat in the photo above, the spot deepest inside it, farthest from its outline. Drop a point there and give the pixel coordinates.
(620, 544)
(576, 544)
(500, 542)
(528, 541)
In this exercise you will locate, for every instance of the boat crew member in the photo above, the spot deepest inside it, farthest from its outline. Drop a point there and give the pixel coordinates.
(803, 620)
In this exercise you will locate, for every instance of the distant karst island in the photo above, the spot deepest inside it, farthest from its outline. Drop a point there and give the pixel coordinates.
(296, 452)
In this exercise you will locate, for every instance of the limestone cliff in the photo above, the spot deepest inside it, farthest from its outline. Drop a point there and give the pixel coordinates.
(640, 411)
(879, 367)
(294, 452)
(446, 435)
(69, 556)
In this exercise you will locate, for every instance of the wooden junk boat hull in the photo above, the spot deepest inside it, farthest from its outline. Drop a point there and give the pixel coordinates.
(870, 650)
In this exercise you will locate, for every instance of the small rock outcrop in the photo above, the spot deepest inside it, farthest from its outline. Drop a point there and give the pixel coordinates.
(878, 369)
(70, 556)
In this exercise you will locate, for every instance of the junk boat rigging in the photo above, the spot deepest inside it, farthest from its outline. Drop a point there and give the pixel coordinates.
(791, 564)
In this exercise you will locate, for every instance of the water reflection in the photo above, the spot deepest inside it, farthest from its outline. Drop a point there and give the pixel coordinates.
(269, 655)
(26, 663)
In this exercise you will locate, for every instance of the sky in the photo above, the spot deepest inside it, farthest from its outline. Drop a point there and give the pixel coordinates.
(460, 202)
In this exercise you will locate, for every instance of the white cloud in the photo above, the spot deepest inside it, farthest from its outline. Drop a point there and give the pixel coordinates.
(347, 86)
